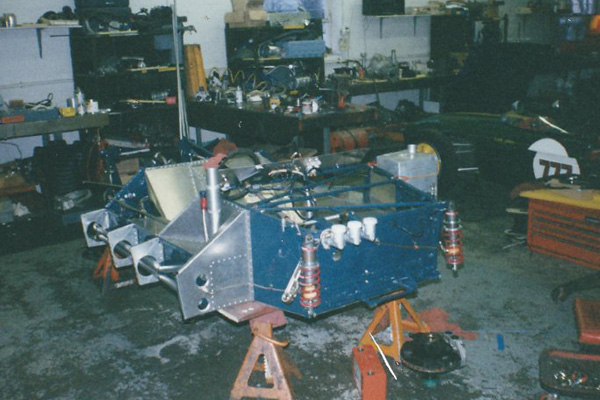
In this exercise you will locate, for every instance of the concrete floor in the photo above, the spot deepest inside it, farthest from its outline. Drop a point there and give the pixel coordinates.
(60, 339)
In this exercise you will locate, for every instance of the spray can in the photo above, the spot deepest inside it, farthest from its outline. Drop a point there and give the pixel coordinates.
(239, 97)
(79, 101)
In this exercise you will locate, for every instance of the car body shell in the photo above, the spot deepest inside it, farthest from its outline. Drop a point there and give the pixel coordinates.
(510, 148)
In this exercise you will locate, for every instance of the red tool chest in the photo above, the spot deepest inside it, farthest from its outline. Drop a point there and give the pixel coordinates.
(565, 231)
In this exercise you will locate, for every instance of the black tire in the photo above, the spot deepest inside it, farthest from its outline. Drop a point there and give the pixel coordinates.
(442, 146)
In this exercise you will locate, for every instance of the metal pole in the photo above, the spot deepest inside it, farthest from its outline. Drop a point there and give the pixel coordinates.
(213, 190)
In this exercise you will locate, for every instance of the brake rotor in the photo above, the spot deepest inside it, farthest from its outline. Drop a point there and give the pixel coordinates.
(433, 353)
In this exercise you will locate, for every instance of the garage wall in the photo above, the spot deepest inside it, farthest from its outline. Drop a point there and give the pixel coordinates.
(350, 33)
(347, 32)
(27, 76)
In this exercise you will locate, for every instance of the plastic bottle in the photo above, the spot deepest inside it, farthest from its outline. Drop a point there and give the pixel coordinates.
(79, 101)
(239, 97)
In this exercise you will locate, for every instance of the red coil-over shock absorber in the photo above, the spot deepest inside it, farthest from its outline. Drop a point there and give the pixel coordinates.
(452, 237)
(310, 275)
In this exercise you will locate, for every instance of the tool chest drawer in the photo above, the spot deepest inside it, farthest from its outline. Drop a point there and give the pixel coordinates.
(565, 231)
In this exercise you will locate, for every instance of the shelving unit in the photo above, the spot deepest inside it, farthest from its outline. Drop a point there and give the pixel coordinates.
(115, 67)
(39, 28)
(561, 27)
(242, 47)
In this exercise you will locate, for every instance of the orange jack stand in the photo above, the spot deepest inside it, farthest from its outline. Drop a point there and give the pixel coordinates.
(276, 368)
(390, 314)
(105, 268)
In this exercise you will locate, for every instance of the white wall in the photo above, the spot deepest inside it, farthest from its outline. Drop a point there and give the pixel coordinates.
(28, 11)
(26, 76)
(408, 35)
(348, 33)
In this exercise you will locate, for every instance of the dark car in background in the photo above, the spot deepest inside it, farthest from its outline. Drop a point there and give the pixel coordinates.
(558, 134)
(507, 148)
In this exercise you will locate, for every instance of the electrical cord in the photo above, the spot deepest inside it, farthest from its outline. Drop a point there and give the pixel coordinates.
(45, 104)
(16, 146)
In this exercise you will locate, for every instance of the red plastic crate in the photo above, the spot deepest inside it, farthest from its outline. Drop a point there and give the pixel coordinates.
(564, 231)
(587, 314)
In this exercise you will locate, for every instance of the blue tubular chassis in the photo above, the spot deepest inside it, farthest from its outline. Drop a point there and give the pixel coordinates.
(253, 256)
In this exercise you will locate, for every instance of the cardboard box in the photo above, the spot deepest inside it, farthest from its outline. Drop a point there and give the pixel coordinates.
(239, 5)
(235, 17)
(257, 15)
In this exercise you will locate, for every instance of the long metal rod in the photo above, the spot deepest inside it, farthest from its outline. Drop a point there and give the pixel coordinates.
(123, 204)
(387, 364)
(213, 190)
(331, 193)
(184, 129)
(150, 265)
(347, 207)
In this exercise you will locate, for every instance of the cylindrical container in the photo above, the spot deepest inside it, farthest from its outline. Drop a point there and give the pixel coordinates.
(306, 107)
(349, 139)
(339, 231)
(91, 107)
(80, 101)
(369, 224)
(354, 232)
(213, 189)
(239, 97)
(10, 20)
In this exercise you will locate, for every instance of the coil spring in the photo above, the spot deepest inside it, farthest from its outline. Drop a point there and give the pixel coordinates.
(310, 280)
(453, 239)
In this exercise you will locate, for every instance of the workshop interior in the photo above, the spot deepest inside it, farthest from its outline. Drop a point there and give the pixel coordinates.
(300, 199)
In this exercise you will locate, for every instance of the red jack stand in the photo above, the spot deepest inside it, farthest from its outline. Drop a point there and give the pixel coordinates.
(105, 269)
(275, 366)
(390, 314)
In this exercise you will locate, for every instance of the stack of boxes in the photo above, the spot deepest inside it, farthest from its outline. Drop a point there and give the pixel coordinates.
(246, 14)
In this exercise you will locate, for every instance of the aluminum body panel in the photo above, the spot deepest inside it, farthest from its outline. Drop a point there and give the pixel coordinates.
(173, 187)
(220, 275)
(104, 218)
(128, 235)
(152, 248)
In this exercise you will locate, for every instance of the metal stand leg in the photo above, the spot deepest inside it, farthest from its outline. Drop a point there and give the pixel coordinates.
(275, 367)
(390, 314)
(105, 270)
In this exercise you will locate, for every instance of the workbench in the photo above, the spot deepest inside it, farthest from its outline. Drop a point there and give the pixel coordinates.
(423, 83)
(359, 87)
(32, 128)
(253, 123)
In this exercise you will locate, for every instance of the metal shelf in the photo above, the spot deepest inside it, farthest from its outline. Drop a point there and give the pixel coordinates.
(38, 29)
